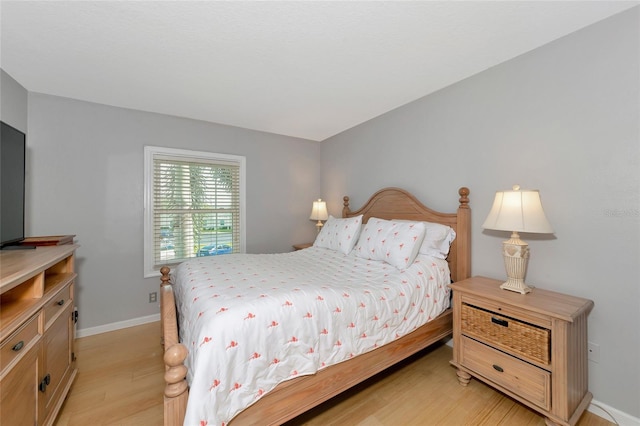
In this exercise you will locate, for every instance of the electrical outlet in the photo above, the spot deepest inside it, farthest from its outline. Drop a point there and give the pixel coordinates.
(153, 297)
(594, 351)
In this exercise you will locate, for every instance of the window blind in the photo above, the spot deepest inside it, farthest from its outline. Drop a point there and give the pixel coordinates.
(196, 208)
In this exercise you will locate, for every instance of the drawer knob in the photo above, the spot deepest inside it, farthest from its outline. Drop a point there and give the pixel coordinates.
(60, 302)
(498, 368)
(44, 383)
(500, 321)
(18, 346)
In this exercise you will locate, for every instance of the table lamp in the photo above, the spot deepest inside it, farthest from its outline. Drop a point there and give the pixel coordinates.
(517, 211)
(319, 213)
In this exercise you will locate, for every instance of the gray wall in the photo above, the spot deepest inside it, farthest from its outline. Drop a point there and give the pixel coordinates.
(86, 178)
(13, 102)
(562, 119)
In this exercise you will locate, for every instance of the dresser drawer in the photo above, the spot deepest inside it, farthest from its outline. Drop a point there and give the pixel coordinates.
(521, 378)
(19, 342)
(516, 337)
(56, 305)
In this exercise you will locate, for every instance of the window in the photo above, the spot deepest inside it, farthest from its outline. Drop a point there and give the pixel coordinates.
(194, 206)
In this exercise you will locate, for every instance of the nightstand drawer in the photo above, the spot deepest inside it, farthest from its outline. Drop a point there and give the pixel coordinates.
(519, 377)
(516, 337)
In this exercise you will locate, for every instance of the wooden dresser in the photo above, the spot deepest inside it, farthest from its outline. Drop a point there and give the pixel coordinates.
(532, 347)
(37, 362)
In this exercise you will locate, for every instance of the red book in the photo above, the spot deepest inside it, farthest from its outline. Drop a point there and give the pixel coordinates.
(52, 240)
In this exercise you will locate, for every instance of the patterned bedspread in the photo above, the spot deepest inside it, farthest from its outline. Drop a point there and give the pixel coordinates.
(251, 322)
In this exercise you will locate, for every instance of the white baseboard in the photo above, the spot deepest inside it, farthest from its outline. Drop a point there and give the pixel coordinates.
(613, 415)
(117, 325)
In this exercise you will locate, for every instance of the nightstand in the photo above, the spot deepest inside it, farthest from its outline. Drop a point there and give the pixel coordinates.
(302, 246)
(532, 347)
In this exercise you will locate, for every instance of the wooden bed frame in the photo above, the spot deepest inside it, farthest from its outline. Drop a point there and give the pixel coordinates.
(294, 397)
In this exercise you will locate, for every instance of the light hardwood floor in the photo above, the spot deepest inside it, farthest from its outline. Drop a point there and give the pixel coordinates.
(120, 382)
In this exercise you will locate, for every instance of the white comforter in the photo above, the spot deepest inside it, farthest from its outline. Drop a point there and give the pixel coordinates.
(253, 321)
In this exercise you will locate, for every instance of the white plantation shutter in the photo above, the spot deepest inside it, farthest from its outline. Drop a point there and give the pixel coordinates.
(194, 203)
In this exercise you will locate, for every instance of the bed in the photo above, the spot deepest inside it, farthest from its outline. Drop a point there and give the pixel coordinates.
(301, 393)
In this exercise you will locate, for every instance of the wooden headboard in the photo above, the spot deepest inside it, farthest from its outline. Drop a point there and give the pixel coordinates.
(396, 203)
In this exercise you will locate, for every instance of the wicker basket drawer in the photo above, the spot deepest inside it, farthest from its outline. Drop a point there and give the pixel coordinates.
(521, 378)
(519, 338)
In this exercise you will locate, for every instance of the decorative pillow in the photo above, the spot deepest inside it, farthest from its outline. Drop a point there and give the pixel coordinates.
(437, 239)
(396, 243)
(339, 234)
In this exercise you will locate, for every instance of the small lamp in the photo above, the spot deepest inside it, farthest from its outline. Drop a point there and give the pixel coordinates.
(319, 212)
(517, 211)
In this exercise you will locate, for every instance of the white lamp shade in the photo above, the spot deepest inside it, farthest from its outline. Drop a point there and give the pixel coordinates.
(319, 210)
(519, 211)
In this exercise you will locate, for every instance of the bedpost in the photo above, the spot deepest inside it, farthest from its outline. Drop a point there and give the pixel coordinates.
(165, 279)
(464, 197)
(176, 388)
(463, 245)
(345, 209)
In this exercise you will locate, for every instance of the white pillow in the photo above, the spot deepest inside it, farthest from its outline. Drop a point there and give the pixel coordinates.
(396, 243)
(437, 239)
(339, 234)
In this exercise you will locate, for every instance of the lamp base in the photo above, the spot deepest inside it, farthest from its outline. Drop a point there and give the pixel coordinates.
(513, 284)
(319, 226)
(516, 254)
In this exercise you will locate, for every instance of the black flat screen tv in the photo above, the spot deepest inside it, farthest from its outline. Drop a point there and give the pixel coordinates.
(12, 185)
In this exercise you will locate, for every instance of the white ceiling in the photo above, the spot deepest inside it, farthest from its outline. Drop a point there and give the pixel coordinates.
(309, 69)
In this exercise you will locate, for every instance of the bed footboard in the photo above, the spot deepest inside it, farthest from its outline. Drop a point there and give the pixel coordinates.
(175, 390)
